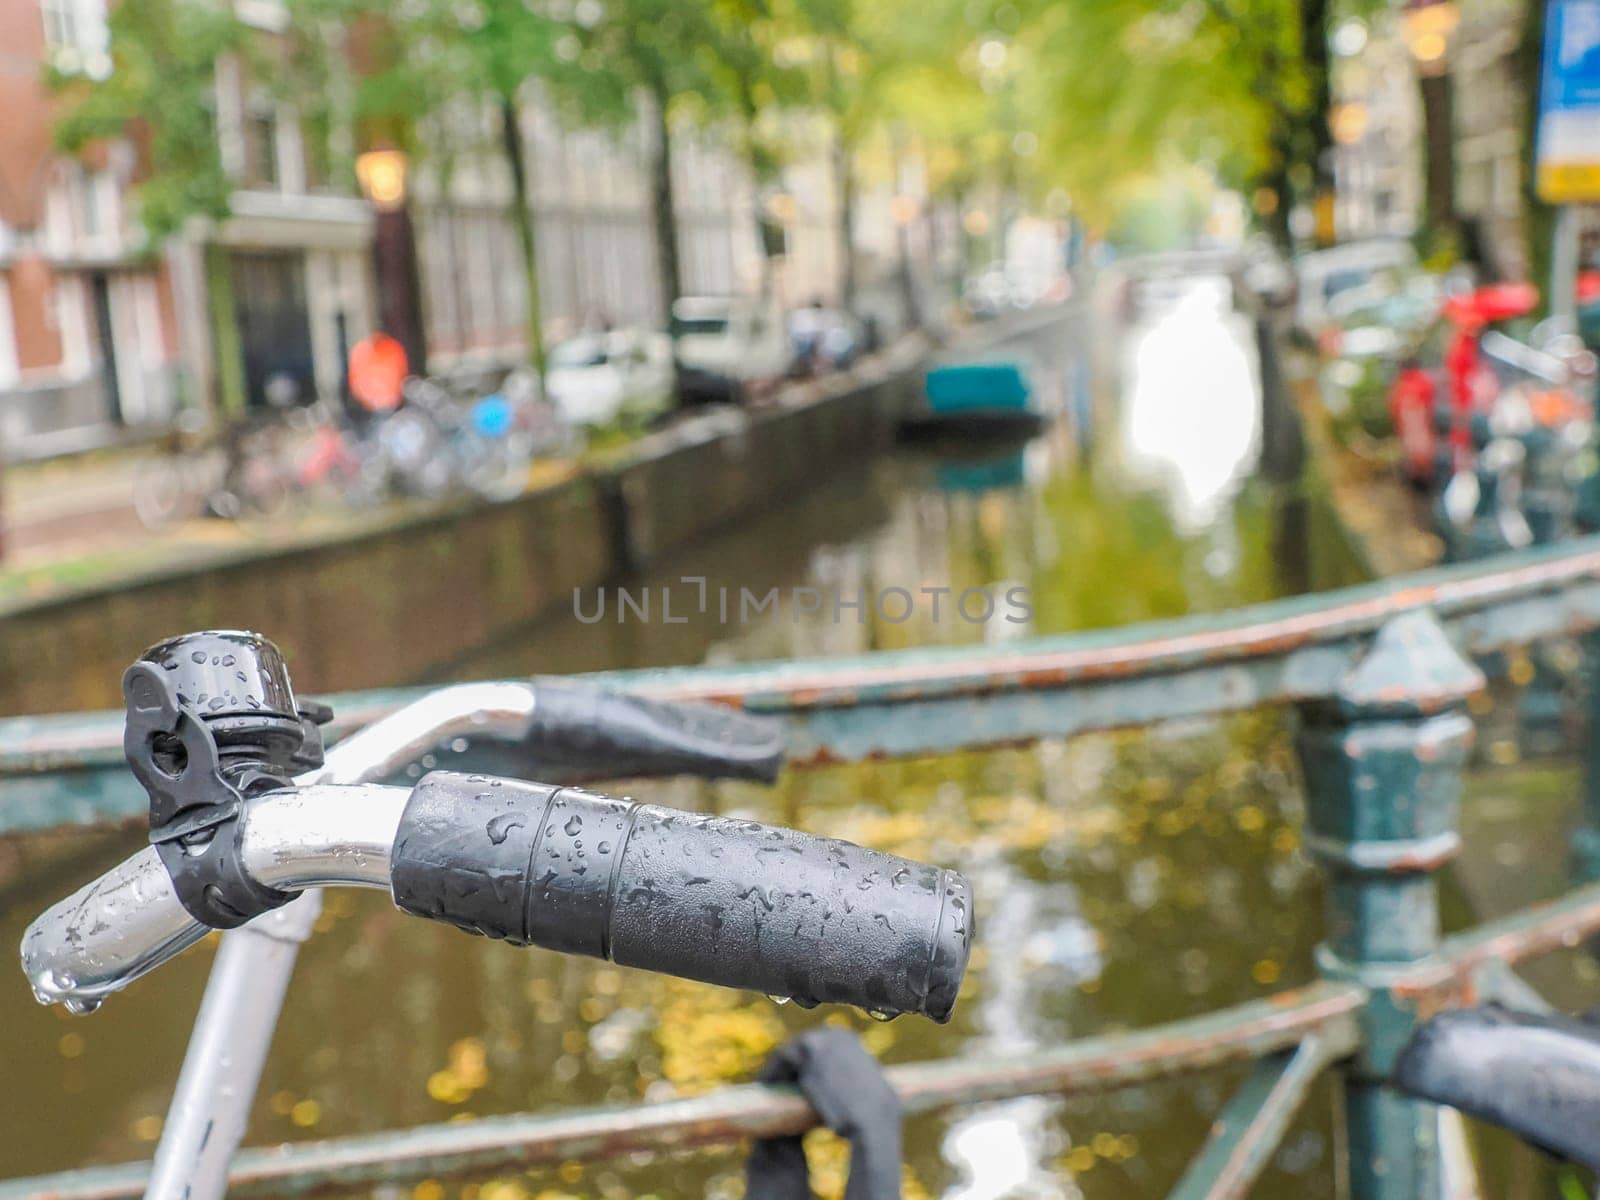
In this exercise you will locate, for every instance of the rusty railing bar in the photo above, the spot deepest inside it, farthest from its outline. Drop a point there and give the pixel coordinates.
(1498, 982)
(1464, 596)
(1325, 1011)
(1463, 958)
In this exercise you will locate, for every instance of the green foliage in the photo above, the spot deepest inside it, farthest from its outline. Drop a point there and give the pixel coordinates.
(1213, 83)
(1038, 97)
(161, 91)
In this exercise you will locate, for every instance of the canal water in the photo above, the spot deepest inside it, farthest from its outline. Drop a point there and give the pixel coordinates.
(1122, 879)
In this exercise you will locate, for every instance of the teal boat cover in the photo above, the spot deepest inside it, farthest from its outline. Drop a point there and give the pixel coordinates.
(974, 387)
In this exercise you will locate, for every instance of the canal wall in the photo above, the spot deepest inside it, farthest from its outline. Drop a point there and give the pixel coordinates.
(386, 600)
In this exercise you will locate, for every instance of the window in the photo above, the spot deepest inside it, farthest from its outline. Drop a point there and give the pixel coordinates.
(75, 36)
(60, 23)
(261, 146)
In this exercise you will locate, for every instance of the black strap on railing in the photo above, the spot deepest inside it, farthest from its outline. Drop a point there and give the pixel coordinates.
(847, 1087)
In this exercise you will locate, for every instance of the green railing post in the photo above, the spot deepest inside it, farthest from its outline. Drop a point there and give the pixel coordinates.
(1586, 839)
(1383, 759)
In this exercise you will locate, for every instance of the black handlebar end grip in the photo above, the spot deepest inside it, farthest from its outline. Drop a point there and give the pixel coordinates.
(724, 901)
(576, 724)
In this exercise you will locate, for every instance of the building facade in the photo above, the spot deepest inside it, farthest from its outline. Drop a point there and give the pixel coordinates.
(101, 339)
(89, 337)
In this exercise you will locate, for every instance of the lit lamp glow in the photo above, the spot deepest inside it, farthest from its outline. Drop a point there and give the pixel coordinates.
(1349, 122)
(382, 175)
(1428, 26)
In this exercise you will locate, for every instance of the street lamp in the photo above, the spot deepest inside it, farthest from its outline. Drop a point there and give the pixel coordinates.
(382, 174)
(1428, 26)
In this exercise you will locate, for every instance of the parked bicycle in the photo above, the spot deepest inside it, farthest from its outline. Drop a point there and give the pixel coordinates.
(235, 474)
(246, 813)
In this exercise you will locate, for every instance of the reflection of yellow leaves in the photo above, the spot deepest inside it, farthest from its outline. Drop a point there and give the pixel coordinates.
(469, 1063)
(306, 1114)
(1109, 1147)
(446, 1089)
(1079, 1159)
(146, 1128)
(710, 1036)
(828, 1157)
(878, 1037)
(466, 1070)
(1266, 972)
(428, 1189)
(1250, 819)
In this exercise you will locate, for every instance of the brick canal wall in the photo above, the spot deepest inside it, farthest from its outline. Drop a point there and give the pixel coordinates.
(417, 590)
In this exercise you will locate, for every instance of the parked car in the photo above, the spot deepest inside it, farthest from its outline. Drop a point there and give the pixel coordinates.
(738, 340)
(595, 378)
(1323, 274)
(1382, 319)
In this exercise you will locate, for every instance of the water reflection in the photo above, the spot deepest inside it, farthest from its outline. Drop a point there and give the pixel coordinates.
(1125, 879)
(1193, 402)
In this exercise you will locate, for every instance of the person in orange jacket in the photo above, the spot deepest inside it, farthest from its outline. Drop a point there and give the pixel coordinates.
(377, 374)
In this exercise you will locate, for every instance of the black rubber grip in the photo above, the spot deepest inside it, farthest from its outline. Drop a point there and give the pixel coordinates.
(611, 734)
(1537, 1075)
(724, 901)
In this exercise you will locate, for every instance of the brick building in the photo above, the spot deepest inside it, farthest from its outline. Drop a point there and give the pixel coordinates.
(98, 341)
(89, 337)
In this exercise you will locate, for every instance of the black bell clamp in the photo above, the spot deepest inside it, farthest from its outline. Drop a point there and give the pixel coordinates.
(211, 722)
(217, 738)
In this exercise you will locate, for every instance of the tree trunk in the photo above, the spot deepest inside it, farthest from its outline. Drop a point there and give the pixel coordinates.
(1538, 223)
(227, 355)
(1276, 180)
(1320, 150)
(522, 218)
(905, 267)
(844, 181)
(908, 277)
(1439, 147)
(664, 206)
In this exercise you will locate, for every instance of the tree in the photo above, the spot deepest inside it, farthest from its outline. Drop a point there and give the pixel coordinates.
(159, 93)
(1222, 82)
(850, 60)
(653, 50)
(746, 68)
(421, 66)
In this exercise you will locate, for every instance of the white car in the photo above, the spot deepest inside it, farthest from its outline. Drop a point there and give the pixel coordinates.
(1323, 274)
(742, 340)
(595, 378)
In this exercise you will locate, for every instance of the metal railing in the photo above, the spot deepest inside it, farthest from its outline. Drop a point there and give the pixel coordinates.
(1380, 675)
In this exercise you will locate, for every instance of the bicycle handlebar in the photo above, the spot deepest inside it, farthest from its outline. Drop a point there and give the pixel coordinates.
(719, 900)
(723, 901)
(547, 724)
(593, 731)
